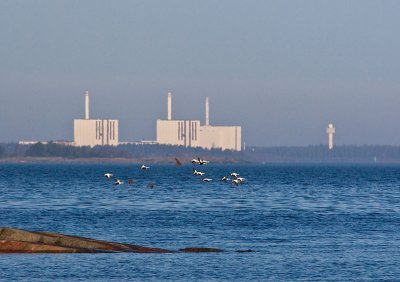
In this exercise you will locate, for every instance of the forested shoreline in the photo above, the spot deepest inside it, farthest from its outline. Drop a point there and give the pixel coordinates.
(164, 153)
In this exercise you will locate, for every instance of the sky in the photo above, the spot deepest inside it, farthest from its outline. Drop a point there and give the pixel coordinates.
(280, 69)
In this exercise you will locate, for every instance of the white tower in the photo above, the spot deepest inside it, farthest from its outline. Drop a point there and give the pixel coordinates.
(169, 106)
(87, 105)
(330, 131)
(207, 112)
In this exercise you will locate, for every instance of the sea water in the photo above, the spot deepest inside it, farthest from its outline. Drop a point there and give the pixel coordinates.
(304, 222)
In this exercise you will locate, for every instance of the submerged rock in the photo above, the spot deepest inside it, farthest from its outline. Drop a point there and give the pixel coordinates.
(200, 250)
(245, 251)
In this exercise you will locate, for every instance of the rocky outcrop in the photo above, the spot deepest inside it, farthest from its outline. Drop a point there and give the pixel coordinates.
(22, 241)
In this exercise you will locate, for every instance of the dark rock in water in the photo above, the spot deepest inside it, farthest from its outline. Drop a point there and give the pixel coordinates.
(151, 185)
(245, 251)
(21, 241)
(200, 250)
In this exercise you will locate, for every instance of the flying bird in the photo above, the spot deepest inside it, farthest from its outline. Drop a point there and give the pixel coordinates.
(207, 179)
(224, 178)
(143, 167)
(178, 162)
(235, 182)
(202, 162)
(195, 161)
(234, 174)
(240, 179)
(108, 176)
(195, 172)
(117, 181)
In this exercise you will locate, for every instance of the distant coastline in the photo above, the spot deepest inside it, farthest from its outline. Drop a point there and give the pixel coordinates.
(162, 154)
(133, 161)
(62, 160)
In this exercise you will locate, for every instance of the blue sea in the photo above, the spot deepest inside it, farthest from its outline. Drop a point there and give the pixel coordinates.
(304, 222)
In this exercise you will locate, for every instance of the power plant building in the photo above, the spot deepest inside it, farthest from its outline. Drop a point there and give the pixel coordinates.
(190, 133)
(224, 137)
(179, 132)
(95, 132)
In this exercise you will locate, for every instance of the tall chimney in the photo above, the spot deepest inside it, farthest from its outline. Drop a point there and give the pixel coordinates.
(207, 112)
(87, 105)
(169, 106)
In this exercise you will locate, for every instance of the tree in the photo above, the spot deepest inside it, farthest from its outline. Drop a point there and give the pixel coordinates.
(36, 150)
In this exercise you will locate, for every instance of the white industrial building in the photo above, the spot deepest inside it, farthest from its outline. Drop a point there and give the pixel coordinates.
(94, 132)
(190, 133)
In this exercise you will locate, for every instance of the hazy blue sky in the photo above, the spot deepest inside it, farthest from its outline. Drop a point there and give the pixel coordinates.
(280, 69)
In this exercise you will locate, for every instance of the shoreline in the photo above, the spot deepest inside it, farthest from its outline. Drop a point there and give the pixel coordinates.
(62, 160)
(171, 161)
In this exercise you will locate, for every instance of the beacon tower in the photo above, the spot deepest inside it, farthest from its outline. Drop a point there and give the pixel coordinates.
(330, 131)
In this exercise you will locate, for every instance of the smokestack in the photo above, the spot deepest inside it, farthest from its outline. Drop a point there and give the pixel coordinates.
(87, 105)
(207, 112)
(169, 106)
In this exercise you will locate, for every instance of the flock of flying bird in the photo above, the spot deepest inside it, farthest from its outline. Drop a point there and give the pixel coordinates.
(233, 177)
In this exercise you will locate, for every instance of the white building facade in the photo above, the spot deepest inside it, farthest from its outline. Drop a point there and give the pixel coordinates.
(95, 132)
(223, 137)
(190, 133)
(179, 132)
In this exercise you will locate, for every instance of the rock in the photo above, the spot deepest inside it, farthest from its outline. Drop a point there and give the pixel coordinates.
(245, 251)
(200, 250)
(22, 241)
(8, 246)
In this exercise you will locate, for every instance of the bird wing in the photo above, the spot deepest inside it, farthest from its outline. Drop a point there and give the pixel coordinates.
(178, 162)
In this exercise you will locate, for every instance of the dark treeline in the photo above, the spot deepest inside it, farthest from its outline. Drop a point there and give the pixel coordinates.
(149, 152)
(320, 154)
(58, 150)
(168, 152)
(164, 153)
(2, 151)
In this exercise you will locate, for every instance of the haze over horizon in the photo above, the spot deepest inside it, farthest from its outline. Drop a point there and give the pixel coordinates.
(280, 69)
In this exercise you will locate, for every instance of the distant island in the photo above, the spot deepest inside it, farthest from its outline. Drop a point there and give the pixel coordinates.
(155, 153)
